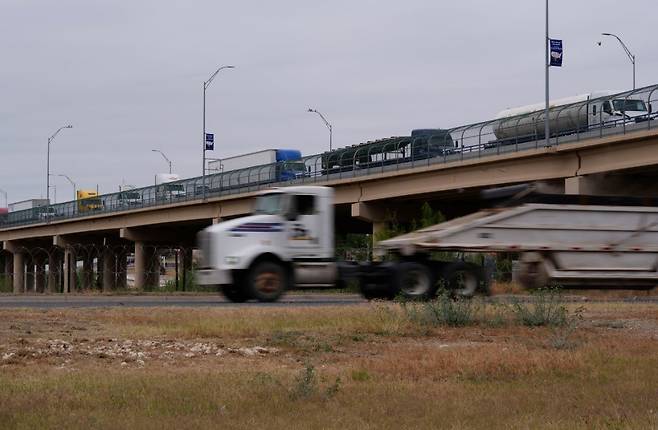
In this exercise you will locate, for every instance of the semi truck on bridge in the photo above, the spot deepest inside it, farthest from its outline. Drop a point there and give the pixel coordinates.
(276, 165)
(567, 116)
(288, 242)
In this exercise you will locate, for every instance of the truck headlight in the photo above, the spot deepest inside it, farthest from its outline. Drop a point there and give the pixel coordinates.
(231, 260)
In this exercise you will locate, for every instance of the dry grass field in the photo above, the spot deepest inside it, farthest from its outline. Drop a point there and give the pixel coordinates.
(371, 366)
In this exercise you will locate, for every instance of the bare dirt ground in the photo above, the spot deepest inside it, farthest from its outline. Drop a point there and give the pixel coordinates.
(378, 365)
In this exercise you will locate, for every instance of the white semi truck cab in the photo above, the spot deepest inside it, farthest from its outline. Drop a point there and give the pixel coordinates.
(288, 240)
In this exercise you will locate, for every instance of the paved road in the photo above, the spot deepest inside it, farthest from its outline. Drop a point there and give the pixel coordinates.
(288, 301)
(291, 300)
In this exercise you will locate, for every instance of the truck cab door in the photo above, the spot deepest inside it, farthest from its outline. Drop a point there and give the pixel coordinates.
(302, 226)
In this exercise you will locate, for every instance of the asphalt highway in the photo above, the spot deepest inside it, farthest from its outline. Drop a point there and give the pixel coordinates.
(293, 300)
(136, 301)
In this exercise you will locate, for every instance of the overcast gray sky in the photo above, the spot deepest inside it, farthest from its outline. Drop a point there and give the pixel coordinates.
(128, 75)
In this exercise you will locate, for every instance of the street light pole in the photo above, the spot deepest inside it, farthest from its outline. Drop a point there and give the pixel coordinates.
(165, 157)
(206, 84)
(626, 50)
(547, 54)
(325, 123)
(50, 139)
(72, 183)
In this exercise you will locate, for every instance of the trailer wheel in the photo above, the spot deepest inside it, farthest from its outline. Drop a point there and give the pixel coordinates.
(465, 279)
(415, 281)
(267, 281)
(532, 275)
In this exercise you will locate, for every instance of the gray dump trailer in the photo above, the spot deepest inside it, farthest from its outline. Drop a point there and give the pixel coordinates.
(573, 245)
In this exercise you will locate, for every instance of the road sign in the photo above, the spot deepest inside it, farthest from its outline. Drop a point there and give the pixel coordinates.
(210, 142)
(556, 52)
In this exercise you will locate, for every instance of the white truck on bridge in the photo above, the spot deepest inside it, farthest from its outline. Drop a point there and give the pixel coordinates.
(288, 242)
(569, 115)
(168, 187)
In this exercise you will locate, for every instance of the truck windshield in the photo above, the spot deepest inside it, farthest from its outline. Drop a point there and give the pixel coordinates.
(175, 187)
(129, 196)
(629, 105)
(269, 204)
(294, 166)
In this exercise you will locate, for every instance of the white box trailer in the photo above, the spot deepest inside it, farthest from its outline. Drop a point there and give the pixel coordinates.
(27, 204)
(261, 167)
(568, 244)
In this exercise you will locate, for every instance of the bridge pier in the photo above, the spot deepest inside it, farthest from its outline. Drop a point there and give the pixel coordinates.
(29, 273)
(147, 266)
(87, 271)
(40, 273)
(122, 269)
(19, 272)
(70, 269)
(54, 270)
(109, 270)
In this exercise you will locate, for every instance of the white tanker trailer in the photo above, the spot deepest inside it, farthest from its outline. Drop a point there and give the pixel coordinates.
(526, 123)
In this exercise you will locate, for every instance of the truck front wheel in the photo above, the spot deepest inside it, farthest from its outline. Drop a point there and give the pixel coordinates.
(267, 281)
(235, 293)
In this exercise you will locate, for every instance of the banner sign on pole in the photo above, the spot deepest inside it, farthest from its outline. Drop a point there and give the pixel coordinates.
(210, 142)
(556, 52)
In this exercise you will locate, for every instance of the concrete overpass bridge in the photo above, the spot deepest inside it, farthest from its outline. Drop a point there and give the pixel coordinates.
(587, 153)
(43, 256)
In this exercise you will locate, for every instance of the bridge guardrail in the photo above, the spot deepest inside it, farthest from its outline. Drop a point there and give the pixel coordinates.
(458, 143)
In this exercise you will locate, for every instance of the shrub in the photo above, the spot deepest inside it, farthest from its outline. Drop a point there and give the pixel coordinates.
(545, 310)
(444, 310)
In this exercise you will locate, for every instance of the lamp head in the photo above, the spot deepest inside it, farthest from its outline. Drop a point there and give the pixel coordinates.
(311, 110)
(606, 34)
(68, 126)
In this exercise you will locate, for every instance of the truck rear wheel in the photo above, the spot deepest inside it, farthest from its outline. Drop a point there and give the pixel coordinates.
(415, 281)
(267, 281)
(465, 279)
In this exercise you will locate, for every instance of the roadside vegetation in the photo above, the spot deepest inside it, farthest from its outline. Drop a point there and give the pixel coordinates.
(441, 364)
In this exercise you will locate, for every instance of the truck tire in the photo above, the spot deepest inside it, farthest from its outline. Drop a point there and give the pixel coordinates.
(533, 275)
(464, 279)
(235, 293)
(267, 281)
(415, 281)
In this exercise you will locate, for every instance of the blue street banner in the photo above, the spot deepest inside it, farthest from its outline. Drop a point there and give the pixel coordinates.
(210, 142)
(556, 52)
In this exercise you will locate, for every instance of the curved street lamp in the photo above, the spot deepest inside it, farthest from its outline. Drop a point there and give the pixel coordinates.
(50, 139)
(165, 157)
(72, 183)
(626, 50)
(325, 123)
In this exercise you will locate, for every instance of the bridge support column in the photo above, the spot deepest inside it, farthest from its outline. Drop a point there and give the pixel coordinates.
(186, 258)
(40, 274)
(88, 271)
(122, 269)
(19, 272)
(147, 266)
(70, 270)
(54, 271)
(8, 269)
(29, 273)
(109, 265)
